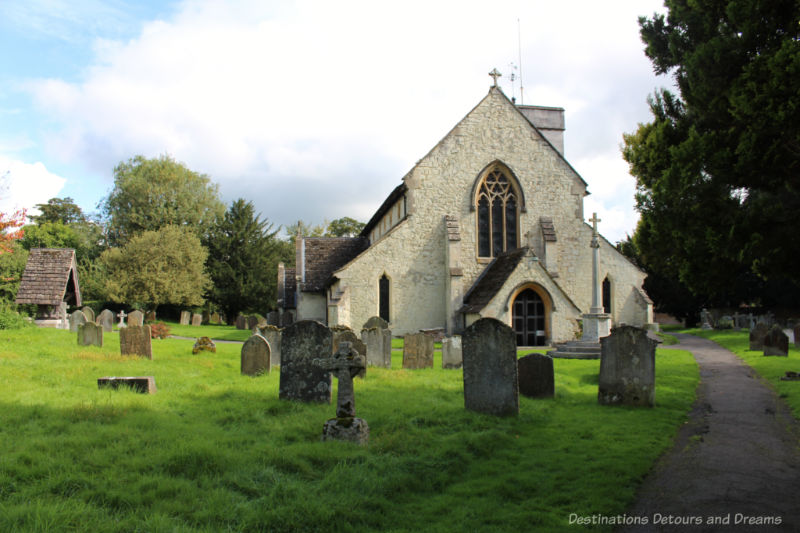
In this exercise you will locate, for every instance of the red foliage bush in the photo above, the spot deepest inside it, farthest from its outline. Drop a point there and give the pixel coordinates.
(159, 330)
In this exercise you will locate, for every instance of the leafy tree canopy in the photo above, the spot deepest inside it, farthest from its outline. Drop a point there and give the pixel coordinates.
(344, 227)
(62, 210)
(12, 265)
(149, 194)
(244, 252)
(718, 168)
(165, 266)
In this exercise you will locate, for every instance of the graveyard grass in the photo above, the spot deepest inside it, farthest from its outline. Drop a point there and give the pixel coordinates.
(213, 450)
(770, 368)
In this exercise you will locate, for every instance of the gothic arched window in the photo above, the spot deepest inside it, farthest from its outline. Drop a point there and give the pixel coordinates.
(497, 207)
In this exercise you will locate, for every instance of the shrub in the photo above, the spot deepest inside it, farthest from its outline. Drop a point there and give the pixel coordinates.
(159, 330)
(10, 318)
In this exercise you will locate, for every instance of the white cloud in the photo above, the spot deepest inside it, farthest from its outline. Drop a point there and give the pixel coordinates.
(23, 185)
(306, 107)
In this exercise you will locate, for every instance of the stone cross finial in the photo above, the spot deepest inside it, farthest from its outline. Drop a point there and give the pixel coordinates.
(494, 74)
(594, 220)
(345, 365)
(122, 316)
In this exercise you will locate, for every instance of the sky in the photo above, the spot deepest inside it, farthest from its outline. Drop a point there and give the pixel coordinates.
(313, 110)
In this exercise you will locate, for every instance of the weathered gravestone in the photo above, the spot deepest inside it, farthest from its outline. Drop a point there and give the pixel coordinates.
(536, 378)
(197, 319)
(489, 350)
(627, 368)
(301, 379)
(90, 334)
(375, 322)
(757, 335)
(135, 340)
(76, 318)
(241, 322)
(252, 321)
(142, 384)
(186, 317)
(346, 363)
(273, 336)
(204, 344)
(150, 316)
(417, 351)
(776, 342)
(213, 318)
(274, 318)
(378, 343)
(106, 319)
(89, 312)
(255, 356)
(451, 352)
(348, 335)
(797, 336)
(136, 318)
(287, 319)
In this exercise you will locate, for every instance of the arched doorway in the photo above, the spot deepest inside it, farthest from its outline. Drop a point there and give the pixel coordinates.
(529, 319)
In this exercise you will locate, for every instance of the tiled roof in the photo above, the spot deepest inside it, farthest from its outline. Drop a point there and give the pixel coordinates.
(491, 280)
(46, 277)
(548, 229)
(322, 256)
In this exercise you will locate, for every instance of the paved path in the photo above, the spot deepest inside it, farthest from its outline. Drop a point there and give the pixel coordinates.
(738, 456)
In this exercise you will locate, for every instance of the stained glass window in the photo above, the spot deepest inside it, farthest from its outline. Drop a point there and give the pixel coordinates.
(497, 215)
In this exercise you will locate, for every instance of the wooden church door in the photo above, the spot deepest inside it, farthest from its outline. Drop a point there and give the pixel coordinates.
(528, 317)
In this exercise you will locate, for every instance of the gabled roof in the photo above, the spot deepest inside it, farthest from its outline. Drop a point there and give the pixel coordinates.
(47, 277)
(492, 280)
(320, 257)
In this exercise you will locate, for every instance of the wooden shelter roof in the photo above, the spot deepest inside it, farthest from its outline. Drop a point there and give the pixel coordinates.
(50, 277)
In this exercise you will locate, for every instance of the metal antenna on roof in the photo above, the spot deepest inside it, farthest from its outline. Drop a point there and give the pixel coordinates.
(512, 77)
(519, 44)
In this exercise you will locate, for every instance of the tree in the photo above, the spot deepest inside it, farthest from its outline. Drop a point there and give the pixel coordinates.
(718, 168)
(344, 227)
(11, 229)
(165, 266)
(149, 194)
(243, 256)
(12, 265)
(63, 210)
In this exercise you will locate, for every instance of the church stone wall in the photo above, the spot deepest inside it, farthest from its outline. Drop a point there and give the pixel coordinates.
(311, 306)
(412, 253)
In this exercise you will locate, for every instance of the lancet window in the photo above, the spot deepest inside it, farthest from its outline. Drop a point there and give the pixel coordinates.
(498, 214)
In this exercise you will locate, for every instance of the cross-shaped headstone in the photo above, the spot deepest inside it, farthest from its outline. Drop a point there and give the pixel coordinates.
(594, 220)
(345, 365)
(122, 316)
(494, 74)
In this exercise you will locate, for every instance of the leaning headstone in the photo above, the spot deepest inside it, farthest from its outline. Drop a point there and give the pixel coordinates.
(797, 336)
(90, 334)
(536, 378)
(142, 384)
(135, 340)
(417, 351)
(451, 352)
(255, 356)
(186, 317)
(627, 368)
(348, 335)
(346, 363)
(375, 322)
(197, 319)
(489, 349)
(287, 319)
(106, 319)
(252, 321)
(241, 322)
(273, 336)
(136, 318)
(76, 318)
(204, 344)
(274, 318)
(301, 379)
(776, 342)
(378, 343)
(89, 312)
(757, 335)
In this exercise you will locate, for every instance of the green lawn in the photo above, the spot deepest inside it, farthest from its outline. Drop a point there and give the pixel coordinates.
(216, 451)
(218, 332)
(771, 368)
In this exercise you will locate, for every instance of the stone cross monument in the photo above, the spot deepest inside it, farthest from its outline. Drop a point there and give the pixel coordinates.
(122, 316)
(596, 324)
(345, 364)
(494, 74)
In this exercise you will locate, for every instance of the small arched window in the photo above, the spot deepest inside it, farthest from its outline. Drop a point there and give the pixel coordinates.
(497, 206)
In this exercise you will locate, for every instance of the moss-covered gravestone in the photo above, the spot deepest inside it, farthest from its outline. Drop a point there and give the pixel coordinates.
(76, 318)
(136, 318)
(106, 319)
(135, 340)
(345, 364)
(302, 380)
(378, 345)
(255, 356)
(776, 342)
(417, 351)
(627, 368)
(536, 377)
(489, 349)
(348, 335)
(90, 334)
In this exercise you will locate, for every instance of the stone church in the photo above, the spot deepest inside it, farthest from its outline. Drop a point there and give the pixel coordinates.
(489, 223)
